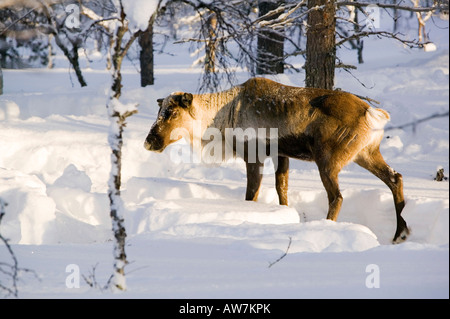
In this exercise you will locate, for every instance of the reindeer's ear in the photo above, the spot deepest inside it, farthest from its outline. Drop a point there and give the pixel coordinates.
(160, 101)
(186, 99)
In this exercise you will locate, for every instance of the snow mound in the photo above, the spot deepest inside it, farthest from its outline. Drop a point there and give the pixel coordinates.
(78, 208)
(165, 215)
(9, 110)
(30, 214)
(263, 226)
(317, 236)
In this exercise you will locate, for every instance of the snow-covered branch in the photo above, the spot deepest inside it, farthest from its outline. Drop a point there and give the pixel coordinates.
(265, 21)
(97, 19)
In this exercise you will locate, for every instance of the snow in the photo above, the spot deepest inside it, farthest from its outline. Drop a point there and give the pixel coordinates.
(429, 47)
(139, 12)
(190, 234)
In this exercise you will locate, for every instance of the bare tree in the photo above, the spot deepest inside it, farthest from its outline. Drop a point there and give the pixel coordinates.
(65, 38)
(233, 34)
(37, 18)
(423, 13)
(238, 28)
(118, 113)
(220, 23)
(69, 24)
(341, 28)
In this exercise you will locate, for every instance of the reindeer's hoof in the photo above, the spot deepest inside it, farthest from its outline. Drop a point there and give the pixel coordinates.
(402, 236)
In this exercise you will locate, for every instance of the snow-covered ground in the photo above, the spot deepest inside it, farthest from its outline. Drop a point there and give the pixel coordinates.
(190, 233)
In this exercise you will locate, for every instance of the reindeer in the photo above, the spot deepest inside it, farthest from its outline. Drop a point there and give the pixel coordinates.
(331, 128)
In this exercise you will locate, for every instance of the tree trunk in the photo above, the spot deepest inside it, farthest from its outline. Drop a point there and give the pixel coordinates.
(270, 43)
(146, 56)
(210, 49)
(320, 44)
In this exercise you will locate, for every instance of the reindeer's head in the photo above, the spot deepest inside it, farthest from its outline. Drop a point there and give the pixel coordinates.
(175, 111)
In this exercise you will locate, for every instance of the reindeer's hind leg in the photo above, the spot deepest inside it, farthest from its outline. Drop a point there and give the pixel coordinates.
(281, 179)
(372, 160)
(254, 178)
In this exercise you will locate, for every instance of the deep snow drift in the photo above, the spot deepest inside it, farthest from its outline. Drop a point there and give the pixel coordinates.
(190, 233)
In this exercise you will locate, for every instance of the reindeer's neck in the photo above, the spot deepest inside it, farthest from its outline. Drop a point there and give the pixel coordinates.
(215, 109)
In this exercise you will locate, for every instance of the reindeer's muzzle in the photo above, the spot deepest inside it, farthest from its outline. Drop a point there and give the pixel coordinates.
(154, 143)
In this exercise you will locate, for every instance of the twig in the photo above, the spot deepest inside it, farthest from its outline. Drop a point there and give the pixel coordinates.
(349, 72)
(368, 99)
(410, 43)
(284, 255)
(415, 123)
(91, 280)
(17, 20)
(11, 270)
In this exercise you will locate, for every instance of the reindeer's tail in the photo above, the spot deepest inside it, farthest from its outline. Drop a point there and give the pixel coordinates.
(377, 118)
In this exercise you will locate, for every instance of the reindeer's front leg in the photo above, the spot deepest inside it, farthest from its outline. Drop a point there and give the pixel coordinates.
(254, 178)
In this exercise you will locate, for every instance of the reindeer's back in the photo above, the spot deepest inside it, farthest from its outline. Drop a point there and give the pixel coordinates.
(268, 98)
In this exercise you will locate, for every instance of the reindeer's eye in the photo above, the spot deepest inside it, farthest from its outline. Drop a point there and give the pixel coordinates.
(169, 113)
(166, 113)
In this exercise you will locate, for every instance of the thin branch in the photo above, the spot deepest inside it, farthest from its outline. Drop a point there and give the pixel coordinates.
(130, 42)
(17, 20)
(386, 34)
(368, 99)
(417, 122)
(284, 255)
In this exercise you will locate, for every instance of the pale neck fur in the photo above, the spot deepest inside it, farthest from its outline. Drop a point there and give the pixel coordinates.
(212, 110)
(207, 107)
